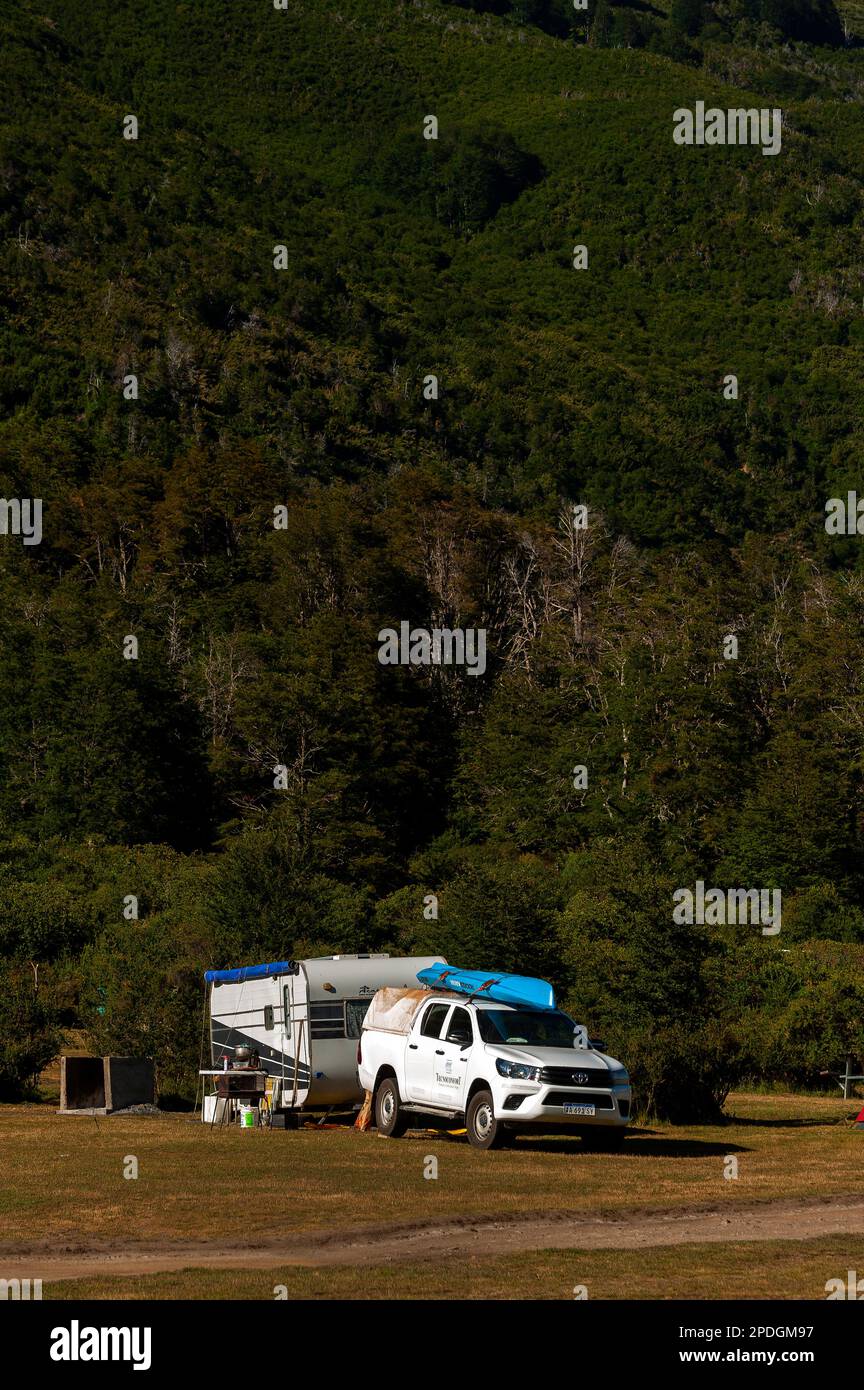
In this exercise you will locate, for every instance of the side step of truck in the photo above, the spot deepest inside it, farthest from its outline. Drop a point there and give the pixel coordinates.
(438, 1110)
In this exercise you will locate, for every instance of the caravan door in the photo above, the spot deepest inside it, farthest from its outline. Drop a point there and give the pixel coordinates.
(295, 1041)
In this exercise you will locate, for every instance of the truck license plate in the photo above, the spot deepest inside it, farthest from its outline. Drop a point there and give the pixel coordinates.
(578, 1109)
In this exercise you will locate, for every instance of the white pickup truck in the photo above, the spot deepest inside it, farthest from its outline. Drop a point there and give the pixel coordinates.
(503, 1068)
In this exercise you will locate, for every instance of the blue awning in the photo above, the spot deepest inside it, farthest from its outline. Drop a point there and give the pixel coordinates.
(250, 972)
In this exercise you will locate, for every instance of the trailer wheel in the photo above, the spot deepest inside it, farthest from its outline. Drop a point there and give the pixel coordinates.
(484, 1131)
(389, 1118)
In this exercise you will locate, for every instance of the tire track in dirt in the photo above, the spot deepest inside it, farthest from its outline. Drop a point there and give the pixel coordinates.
(440, 1240)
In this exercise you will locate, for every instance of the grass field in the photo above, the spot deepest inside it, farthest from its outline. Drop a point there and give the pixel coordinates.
(63, 1183)
(62, 1176)
(781, 1269)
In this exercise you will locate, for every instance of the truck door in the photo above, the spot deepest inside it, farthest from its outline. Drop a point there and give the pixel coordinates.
(452, 1055)
(420, 1057)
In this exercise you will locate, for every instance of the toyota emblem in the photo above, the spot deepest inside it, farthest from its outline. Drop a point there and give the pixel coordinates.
(579, 1078)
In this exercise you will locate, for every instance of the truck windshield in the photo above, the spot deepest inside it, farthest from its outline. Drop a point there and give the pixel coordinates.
(543, 1029)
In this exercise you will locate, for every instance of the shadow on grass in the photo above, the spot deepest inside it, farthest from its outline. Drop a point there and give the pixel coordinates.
(752, 1122)
(640, 1143)
(645, 1146)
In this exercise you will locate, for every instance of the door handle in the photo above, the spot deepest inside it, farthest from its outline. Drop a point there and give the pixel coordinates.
(439, 1052)
(413, 1047)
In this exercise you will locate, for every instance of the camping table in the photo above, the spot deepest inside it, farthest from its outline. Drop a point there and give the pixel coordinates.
(237, 1084)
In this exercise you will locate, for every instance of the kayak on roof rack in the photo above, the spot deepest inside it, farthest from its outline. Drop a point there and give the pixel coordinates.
(524, 990)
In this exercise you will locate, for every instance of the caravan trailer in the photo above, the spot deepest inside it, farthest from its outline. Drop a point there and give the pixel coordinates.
(303, 1019)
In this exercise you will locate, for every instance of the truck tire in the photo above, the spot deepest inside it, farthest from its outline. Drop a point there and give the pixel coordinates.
(606, 1141)
(389, 1117)
(484, 1131)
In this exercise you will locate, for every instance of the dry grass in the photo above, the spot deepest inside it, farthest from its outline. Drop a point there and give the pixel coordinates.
(61, 1177)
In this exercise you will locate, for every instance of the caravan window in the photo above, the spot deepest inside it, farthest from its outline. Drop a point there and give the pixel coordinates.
(327, 1020)
(355, 1012)
(342, 1019)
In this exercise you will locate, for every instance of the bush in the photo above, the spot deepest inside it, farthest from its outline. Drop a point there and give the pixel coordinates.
(818, 1029)
(461, 179)
(143, 995)
(669, 43)
(687, 16)
(797, 1015)
(821, 913)
(29, 1033)
(679, 1073)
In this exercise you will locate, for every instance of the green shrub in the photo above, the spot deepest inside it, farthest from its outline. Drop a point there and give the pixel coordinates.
(142, 995)
(679, 1073)
(29, 1035)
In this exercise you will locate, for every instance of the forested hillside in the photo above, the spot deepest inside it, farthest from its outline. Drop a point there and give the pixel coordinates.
(153, 260)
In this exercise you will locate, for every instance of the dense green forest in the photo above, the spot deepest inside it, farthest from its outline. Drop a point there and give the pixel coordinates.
(164, 388)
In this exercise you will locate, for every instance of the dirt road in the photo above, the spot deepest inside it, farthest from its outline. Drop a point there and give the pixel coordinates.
(483, 1235)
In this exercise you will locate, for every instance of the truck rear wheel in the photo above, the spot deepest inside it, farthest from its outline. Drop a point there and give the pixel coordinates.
(389, 1118)
(484, 1131)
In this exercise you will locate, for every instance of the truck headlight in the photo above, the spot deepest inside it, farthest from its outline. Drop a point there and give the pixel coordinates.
(619, 1076)
(517, 1071)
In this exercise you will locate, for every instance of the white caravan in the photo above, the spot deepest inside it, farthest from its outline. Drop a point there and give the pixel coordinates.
(303, 1018)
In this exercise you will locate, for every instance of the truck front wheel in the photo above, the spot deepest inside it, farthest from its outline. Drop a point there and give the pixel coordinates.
(484, 1131)
(389, 1117)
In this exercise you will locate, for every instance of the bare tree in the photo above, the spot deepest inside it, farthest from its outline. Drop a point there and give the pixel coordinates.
(224, 669)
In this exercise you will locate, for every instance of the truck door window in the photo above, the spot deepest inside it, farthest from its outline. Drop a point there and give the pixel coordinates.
(433, 1019)
(460, 1030)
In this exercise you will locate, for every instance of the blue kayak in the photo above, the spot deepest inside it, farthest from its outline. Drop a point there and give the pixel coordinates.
(522, 991)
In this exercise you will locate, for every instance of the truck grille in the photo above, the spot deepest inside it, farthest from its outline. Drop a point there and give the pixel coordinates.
(566, 1076)
(579, 1098)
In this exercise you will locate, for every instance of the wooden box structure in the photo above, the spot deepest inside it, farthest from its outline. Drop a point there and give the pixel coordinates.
(98, 1085)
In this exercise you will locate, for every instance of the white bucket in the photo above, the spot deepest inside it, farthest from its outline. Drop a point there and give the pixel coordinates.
(208, 1114)
(247, 1116)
